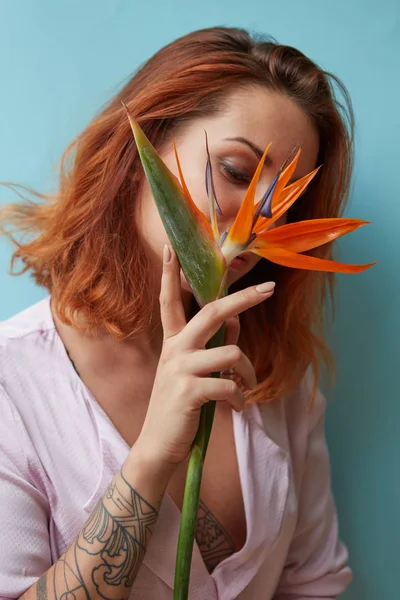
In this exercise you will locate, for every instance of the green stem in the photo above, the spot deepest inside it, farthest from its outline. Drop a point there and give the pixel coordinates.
(191, 495)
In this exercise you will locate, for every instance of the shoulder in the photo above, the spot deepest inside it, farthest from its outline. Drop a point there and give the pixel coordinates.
(36, 378)
(27, 322)
(21, 351)
(47, 415)
(305, 405)
(299, 410)
(25, 340)
(51, 451)
(30, 349)
(290, 420)
(30, 357)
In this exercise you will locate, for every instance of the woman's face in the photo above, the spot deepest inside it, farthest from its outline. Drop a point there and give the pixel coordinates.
(253, 117)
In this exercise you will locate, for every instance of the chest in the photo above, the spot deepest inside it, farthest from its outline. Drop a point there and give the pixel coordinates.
(221, 523)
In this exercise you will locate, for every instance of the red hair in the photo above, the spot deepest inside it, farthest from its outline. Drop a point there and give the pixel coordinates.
(82, 243)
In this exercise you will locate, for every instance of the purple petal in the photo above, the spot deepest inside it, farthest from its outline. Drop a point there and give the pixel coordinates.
(222, 238)
(251, 239)
(265, 207)
(209, 179)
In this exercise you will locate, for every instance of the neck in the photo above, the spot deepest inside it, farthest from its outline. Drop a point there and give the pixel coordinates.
(100, 352)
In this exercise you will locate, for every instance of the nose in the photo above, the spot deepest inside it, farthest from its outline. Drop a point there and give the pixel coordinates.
(225, 222)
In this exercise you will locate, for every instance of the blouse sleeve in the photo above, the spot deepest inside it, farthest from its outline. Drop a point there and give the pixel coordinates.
(316, 566)
(24, 532)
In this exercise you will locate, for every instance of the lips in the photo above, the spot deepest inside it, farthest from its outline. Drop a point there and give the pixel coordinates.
(238, 263)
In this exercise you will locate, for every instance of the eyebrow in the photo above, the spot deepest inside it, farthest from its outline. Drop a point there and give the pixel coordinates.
(257, 151)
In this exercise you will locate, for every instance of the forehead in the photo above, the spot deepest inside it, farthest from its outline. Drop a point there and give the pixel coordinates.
(263, 116)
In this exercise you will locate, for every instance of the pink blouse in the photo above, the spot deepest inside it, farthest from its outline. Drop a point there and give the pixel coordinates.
(59, 451)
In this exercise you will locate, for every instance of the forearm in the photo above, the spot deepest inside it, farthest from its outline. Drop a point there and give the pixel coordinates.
(106, 555)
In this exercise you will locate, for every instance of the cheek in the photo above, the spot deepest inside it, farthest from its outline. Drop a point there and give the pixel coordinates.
(149, 224)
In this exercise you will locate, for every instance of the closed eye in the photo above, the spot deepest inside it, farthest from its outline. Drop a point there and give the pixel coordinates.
(234, 176)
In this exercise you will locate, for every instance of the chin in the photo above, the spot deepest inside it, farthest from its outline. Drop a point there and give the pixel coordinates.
(184, 284)
(233, 276)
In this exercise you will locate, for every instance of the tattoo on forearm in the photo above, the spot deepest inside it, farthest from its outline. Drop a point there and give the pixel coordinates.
(117, 534)
(214, 542)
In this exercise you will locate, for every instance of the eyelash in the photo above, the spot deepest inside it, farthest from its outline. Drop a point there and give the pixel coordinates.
(239, 177)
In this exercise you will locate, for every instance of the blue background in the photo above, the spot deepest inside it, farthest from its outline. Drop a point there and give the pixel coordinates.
(60, 61)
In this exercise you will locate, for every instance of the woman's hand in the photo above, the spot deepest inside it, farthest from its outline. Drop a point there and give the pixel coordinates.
(182, 383)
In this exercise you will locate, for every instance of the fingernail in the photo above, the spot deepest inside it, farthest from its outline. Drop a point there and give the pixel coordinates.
(166, 254)
(266, 287)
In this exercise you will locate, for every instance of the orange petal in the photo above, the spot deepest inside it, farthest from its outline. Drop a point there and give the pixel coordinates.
(240, 231)
(306, 235)
(200, 216)
(286, 176)
(287, 198)
(302, 261)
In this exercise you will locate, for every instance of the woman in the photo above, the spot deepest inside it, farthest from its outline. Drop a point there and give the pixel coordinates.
(102, 384)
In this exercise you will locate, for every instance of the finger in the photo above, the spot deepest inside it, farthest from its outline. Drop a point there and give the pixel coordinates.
(232, 330)
(221, 390)
(171, 307)
(233, 376)
(203, 362)
(210, 318)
